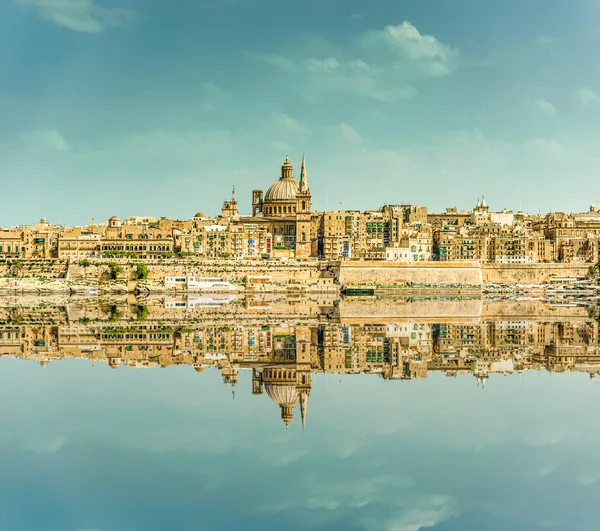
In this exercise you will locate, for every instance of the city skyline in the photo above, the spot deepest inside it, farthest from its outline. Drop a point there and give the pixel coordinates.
(403, 104)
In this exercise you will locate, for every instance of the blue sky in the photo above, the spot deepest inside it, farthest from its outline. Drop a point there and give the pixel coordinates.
(91, 448)
(137, 107)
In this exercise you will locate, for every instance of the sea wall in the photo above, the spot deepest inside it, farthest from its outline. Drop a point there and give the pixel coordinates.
(354, 310)
(531, 273)
(381, 274)
(79, 276)
(60, 276)
(386, 310)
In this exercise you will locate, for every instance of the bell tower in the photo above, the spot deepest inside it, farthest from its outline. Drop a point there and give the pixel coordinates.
(257, 202)
(303, 216)
(230, 208)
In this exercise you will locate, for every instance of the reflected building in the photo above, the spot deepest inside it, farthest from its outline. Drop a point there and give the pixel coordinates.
(281, 351)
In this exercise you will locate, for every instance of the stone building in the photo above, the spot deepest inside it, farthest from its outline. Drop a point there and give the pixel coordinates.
(11, 244)
(285, 210)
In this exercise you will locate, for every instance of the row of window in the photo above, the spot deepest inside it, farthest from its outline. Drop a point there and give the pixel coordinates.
(9, 249)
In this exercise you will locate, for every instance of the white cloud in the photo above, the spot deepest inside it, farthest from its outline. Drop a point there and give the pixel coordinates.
(349, 134)
(543, 106)
(545, 40)
(322, 65)
(287, 123)
(547, 149)
(355, 77)
(47, 139)
(78, 15)
(588, 98)
(425, 52)
(214, 91)
(587, 478)
(385, 65)
(278, 61)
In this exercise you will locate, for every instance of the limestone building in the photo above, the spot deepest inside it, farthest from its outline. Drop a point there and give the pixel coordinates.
(286, 209)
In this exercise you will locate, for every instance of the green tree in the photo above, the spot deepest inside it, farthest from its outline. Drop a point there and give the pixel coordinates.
(142, 271)
(115, 314)
(142, 312)
(114, 270)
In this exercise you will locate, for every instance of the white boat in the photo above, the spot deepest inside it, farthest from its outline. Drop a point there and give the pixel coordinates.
(193, 283)
(191, 302)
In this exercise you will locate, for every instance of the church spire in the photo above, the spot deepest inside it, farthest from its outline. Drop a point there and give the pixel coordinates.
(303, 179)
(303, 407)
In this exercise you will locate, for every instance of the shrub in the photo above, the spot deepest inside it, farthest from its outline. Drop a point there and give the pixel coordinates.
(141, 313)
(115, 314)
(114, 270)
(142, 271)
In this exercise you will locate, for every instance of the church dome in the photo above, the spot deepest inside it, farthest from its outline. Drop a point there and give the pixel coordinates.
(282, 190)
(284, 395)
(286, 188)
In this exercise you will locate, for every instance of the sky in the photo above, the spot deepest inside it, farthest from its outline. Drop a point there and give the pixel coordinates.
(87, 448)
(153, 108)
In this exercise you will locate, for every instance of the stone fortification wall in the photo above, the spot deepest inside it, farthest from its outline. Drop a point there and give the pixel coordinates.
(80, 276)
(357, 310)
(545, 311)
(387, 310)
(31, 269)
(531, 273)
(61, 276)
(234, 271)
(393, 273)
(240, 310)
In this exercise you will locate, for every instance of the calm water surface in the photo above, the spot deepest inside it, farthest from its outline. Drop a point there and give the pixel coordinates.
(86, 447)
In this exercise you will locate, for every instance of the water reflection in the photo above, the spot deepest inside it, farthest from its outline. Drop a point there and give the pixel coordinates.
(282, 343)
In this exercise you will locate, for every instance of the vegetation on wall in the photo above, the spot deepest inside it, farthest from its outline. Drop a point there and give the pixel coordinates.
(142, 271)
(114, 270)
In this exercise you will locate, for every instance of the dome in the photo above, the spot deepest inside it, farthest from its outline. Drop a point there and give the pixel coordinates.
(283, 190)
(284, 395)
(199, 369)
(114, 218)
(286, 188)
(199, 215)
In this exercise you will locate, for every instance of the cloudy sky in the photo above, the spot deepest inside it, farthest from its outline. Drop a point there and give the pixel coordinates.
(91, 448)
(136, 107)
